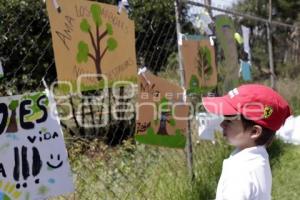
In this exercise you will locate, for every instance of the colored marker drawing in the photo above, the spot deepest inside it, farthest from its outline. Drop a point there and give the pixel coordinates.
(161, 136)
(84, 51)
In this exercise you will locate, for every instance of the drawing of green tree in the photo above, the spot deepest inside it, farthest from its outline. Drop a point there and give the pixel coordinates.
(84, 52)
(204, 63)
(12, 126)
(165, 118)
(193, 84)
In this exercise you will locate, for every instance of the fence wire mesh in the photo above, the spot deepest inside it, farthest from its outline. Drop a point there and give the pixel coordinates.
(105, 161)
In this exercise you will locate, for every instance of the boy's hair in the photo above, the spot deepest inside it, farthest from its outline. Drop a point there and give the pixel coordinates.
(266, 136)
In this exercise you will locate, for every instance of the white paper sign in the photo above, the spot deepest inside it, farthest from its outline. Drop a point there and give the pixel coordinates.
(207, 125)
(33, 158)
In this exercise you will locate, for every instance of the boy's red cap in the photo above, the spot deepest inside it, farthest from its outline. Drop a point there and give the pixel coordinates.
(255, 102)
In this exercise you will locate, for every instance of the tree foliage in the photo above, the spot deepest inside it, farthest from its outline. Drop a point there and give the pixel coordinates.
(25, 45)
(286, 11)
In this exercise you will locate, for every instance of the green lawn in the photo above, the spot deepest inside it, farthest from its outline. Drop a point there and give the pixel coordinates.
(286, 174)
(154, 173)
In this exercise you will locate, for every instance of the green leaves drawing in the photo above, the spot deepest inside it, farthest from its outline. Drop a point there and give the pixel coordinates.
(109, 29)
(111, 44)
(85, 26)
(96, 51)
(204, 63)
(83, 52)
(13, 105)
(96, 14)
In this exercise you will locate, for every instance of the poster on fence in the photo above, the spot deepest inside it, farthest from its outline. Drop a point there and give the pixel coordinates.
(199, 64)
(162, 114)
(225, 34)
(33, 160)
(93, 44)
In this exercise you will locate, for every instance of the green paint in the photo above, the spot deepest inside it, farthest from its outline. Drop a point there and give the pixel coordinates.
(64, 89)
(174, 141)
(36, 112)
(204, 63)
(13, 104)
(42, 190)
(85, 26)
(96, 14)
(83, 52)
(112, 44)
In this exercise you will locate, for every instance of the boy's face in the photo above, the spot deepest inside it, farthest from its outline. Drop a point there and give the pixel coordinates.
(235, 133)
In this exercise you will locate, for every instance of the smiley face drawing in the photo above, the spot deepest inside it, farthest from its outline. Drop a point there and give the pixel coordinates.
(55, 166)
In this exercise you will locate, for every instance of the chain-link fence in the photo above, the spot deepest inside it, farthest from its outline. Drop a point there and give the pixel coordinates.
(106, 162)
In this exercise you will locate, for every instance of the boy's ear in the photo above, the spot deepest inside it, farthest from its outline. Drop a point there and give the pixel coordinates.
(256, 131)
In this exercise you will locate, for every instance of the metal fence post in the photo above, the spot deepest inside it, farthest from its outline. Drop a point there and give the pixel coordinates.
(188, 148)
(270, 47)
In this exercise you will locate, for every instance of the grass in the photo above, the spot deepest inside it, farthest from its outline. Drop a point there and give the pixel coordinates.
(137, 171)
(285, 171)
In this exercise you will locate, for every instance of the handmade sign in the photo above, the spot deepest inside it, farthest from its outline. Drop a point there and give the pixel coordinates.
(162, 115)
(33, 160)
(92, 38)
(225, 34)
(199, 64)
(208, 124)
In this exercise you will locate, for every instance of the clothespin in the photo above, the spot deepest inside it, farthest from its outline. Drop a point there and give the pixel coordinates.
(211, 40)
(180, 38)
(184, 96)
(56, 6)
(142, 72)
(123, 4)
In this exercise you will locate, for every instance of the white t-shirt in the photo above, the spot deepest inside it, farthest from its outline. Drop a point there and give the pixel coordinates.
(246, 175)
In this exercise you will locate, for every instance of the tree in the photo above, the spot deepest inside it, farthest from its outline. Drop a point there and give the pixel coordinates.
(204, 63)
(25, 45)
(13, 126)
(286, 11)
(83, 48)
(164, 118)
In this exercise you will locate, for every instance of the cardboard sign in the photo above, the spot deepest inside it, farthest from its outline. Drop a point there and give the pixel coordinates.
(33, 160)
(199, 64)
(225, 35)
(162, 115)
(92, 38)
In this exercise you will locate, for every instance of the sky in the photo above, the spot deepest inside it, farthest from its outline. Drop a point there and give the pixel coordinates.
(200, 18)
(216, 3)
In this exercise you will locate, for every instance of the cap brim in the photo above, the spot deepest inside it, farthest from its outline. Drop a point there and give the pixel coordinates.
(218, 106)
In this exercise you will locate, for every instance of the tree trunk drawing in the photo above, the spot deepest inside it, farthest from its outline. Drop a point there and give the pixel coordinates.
(12, 126)
(83, 47)
(162, 130)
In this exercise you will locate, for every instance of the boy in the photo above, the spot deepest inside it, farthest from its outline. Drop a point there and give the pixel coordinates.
(253, 113)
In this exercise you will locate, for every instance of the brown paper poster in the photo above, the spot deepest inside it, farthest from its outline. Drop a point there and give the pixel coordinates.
(162, 115)
(92, 38)
(199, 64)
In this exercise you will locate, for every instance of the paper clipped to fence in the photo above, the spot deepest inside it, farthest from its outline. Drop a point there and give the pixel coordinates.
(92, 38)
(33, 160)
(199, 64)
(162, 114)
